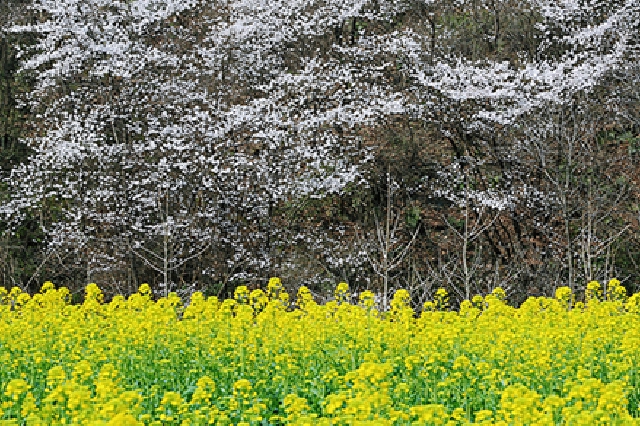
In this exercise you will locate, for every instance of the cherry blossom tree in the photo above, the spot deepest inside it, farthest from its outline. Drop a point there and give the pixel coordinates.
(169, 134)
(189, 106)
(581, 45)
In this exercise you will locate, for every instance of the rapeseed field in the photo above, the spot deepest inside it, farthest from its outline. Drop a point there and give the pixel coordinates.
(261, 359)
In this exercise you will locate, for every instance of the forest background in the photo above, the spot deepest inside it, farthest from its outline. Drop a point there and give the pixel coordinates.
(202, 145)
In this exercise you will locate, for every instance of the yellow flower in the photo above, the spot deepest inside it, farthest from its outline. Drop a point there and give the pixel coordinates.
(428, 306)
(594, 292)
(124, 419)
(461, 363)
(15, 388)
(172, 399)
(93, 292)
(274, 288)
(82, 371)
(258, 300)
(144, 289)
(565, 296)
(56, 376)
(319, 364)
(241, 294)
(47, 286)
(241, 388)
(433, 414)
(29, 406)
(615, 291)
(334, 403)
(478, 302)
(304, 298)
(295, 405)
(499, 293)
(342, 292)
(367, 300)
(205, 387)
(441, 299)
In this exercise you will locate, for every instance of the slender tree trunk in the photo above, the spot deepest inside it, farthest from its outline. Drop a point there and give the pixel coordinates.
(465, 241)
(387, 243)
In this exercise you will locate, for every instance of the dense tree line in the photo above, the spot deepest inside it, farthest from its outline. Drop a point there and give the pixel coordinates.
(200, 145)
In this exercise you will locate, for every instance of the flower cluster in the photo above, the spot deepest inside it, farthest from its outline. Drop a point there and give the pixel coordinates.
(252, 360)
